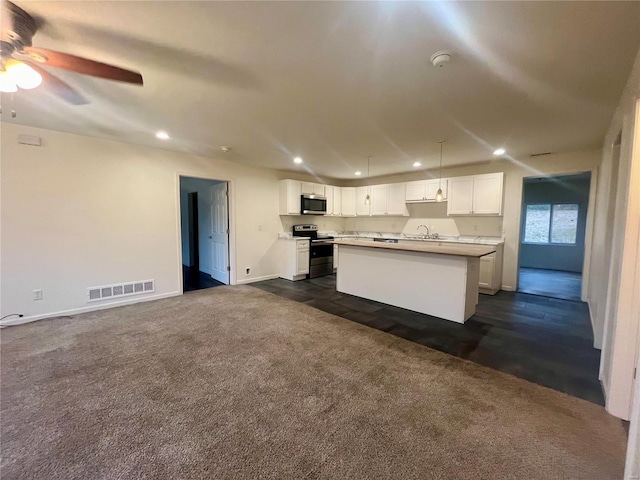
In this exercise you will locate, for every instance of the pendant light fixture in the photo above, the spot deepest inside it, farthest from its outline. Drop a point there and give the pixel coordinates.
(439, 195)
(367, 199)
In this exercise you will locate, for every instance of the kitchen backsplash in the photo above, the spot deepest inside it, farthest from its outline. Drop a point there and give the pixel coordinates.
(434, 216)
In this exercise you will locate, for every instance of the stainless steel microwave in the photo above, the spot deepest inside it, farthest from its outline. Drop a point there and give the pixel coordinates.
(313, 205)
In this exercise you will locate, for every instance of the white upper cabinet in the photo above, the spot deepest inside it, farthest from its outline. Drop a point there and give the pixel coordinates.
(425, 190)
(379, 199)
(432, 189)
(388, 199)
(328, 191)
(337, 200)
(361, 207)
(476, 195)
(460, 196)
(290, 192)
(487, 194)
(396, 202)
(308, 188)
(348, 201)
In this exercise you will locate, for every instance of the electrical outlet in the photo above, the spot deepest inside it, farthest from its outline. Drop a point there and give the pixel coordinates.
(259, 228)
(248, 271)
(37, 294)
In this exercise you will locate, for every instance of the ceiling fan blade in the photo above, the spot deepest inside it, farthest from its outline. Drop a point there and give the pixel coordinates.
(83, 65)
(58, 87)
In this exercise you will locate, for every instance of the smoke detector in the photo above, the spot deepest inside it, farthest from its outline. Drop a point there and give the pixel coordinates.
(441, 58)
(225, 149)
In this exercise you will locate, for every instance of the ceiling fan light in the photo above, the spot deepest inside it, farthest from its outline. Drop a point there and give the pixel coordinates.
(24, 76)
(7, 84)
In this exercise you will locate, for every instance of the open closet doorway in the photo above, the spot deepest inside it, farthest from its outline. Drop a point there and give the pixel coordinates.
(552, 235)
(204, 222)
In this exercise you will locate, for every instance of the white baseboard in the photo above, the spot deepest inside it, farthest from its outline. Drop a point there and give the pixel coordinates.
(593, 328)
(508, 288)
(256, 279)
(92, 308)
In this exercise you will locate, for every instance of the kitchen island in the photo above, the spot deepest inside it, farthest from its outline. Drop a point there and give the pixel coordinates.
(438, 279)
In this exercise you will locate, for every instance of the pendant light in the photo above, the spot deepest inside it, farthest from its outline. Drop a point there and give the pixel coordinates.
(367, 199)
(439, 195)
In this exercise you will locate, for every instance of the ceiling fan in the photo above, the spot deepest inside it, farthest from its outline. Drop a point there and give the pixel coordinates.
(21, 64)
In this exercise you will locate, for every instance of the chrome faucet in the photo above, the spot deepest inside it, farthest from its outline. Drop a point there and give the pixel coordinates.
(422, 235)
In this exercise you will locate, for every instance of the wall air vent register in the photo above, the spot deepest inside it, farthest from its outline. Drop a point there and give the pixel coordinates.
(127, 289)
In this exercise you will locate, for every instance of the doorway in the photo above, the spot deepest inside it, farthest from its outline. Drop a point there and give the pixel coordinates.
(204, 222)
(552, 235)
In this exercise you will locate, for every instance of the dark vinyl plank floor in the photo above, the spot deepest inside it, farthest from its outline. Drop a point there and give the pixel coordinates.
(544, 340)
(550, 283)
(195, 280)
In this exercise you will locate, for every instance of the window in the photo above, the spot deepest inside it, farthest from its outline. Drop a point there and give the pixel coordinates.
(551, 223)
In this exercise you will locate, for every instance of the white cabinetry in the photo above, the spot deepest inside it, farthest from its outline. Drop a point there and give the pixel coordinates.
(348, 201)
(487, 194)
(425, 190)
(328, 192)
(476, 195)
(491, 271)
(290, 192)
(388, 199)
(379, 199)
(309, 188)
(395, 203)
(337, 200)
(294, 258)
(361, 207)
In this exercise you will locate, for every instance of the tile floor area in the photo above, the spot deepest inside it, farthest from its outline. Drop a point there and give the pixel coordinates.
(194, 280)
(543, 340)
(550, 283)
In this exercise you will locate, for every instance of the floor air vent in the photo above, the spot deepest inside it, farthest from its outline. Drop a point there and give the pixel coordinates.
(120, 290)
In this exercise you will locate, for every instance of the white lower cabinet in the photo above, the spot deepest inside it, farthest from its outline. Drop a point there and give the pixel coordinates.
(294, 258)
(491, 271)
(335, 257)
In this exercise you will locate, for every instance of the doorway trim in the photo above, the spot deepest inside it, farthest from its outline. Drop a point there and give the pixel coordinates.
(231, 220)
(588, 233)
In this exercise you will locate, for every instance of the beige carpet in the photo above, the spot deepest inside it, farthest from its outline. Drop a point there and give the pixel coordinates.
(235, 383)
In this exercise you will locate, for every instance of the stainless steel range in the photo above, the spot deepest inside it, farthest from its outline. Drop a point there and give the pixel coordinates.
(320, 251)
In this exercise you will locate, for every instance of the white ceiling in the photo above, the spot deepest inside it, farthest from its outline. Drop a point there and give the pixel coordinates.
(335, 82)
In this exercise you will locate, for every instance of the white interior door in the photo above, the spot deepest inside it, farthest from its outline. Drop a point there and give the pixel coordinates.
(219, 233)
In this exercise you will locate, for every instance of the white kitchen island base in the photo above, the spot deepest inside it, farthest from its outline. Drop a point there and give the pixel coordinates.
(441, 285)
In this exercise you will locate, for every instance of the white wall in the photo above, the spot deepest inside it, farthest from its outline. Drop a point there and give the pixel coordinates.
(616, 322)
(81, 211)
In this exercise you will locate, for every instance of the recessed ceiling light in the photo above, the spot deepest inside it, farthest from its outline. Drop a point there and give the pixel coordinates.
(358, 173)
(499, 151)
(162, 135)
(297, 160)
(416, 164)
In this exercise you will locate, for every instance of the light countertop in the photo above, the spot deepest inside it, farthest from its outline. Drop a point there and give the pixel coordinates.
(442, 248)
(412, 238)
